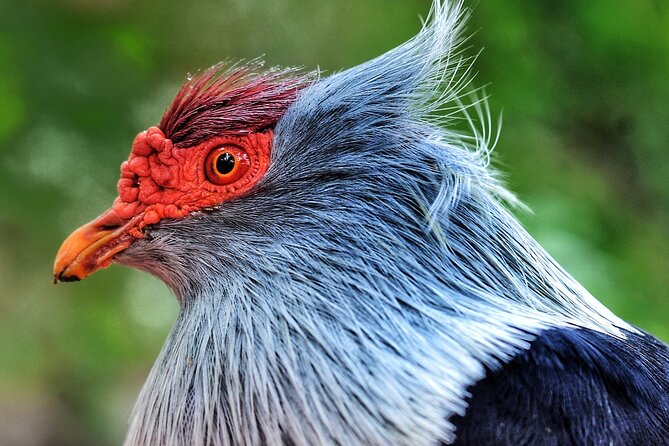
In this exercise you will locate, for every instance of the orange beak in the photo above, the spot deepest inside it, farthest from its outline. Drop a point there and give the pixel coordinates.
(91, 247)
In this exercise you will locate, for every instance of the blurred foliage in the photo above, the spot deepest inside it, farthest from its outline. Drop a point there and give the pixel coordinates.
(585, 143)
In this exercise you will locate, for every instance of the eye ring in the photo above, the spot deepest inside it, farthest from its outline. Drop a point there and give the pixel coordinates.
(226, 164)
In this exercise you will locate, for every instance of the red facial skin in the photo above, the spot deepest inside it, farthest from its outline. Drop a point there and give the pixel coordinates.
(159, 181)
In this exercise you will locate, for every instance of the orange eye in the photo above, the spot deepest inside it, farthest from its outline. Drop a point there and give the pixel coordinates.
(226, 164)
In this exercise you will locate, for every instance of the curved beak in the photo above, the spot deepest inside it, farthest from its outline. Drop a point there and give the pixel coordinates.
(91, 247)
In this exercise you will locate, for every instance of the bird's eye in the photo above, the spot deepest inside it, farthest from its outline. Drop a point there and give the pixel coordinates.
(226, 164)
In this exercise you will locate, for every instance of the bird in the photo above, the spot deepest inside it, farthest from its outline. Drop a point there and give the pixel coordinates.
(350, 271)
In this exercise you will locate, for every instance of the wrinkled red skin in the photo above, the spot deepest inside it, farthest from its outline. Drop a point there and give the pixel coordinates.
(160, 181)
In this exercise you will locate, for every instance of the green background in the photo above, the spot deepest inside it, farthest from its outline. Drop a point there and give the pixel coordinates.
(584, 86)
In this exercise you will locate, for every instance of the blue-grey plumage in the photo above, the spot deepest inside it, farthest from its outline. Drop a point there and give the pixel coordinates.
(373, 288)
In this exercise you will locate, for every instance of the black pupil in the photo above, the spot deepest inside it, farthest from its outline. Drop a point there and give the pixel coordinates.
(225, 163)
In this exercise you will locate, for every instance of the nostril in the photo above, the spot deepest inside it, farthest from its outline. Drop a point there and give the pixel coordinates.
(109, 227)
(109, 221)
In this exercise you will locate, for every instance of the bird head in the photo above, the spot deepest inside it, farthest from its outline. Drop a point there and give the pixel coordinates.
(213, 145)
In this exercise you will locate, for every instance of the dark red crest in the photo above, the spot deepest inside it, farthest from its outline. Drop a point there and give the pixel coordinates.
(229, 100)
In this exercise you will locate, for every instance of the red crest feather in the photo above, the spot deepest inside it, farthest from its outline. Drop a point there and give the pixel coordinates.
(229, 100)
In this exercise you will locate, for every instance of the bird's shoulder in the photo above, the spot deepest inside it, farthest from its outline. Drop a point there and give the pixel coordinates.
(573, 387)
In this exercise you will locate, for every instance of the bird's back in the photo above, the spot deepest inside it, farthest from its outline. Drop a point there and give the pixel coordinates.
(573, 387)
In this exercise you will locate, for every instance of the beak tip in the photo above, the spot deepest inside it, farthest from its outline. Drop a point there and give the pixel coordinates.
(90, 248)
(61, 277)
